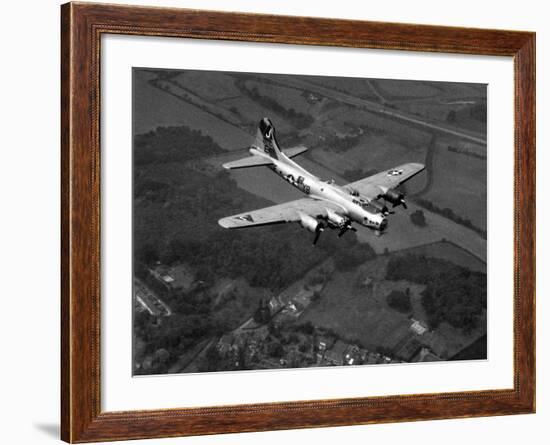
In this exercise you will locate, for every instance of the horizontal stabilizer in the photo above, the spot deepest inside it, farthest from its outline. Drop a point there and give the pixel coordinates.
(251, 161)
(295, 151)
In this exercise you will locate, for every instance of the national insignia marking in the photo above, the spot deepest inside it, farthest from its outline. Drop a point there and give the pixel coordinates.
(245, 218)
(395, 172)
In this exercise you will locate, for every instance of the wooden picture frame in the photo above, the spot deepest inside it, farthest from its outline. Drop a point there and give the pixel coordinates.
(82, 26)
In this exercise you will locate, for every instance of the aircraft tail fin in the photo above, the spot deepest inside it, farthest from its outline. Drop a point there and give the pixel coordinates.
(266, 140)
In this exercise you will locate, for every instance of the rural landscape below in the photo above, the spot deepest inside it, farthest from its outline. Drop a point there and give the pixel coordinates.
(210, 299)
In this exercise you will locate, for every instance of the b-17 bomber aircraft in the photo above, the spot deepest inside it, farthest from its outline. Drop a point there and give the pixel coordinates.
(327, 204)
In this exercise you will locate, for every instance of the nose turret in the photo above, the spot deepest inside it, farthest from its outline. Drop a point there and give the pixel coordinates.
(375, 221)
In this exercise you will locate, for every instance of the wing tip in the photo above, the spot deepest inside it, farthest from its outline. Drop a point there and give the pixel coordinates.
(225, 223)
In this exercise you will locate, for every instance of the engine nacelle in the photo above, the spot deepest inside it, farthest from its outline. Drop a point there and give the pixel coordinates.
(382, 208)
(310, 223)
(336, 220)
(394, 197)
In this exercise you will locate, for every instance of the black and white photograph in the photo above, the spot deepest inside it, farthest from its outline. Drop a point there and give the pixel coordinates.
(298, 221)
(275, 222)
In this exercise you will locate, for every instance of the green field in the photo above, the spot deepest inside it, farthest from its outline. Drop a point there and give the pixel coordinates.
(288, 97)
(169, 110)
(411, 89)
(465, 190)
(211, 85)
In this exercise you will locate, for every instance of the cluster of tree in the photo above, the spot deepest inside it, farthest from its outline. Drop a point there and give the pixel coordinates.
(213, 252)
(162, 74)
(172, 144)
(262, 314)
(298, 119)
(472, 114)
(318, 278)
(195, 319)
(306, 328)
(341, 144)
(451, 116)
(235, 110)
(418, 218)
(400, 301)
(176, 334)
(450, 214)
(350, 253)
(154, 191)
(475, 351)
(275, 349)
(310, 96)
(245, 254)
(213, 361)
(269, 257)
(364, 129)
(453, 294)
(195, 204)
(186, 231)
(281, 343)
(478, 112)
(473, 154)
(290, 334)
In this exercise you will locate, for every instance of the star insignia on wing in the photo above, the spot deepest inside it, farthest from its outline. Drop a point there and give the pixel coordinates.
(245, 218)
(395, 172)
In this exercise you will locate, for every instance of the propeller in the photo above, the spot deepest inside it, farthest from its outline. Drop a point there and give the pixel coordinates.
(400, 203)
(395, 197)
(344, 229)
(320, 228)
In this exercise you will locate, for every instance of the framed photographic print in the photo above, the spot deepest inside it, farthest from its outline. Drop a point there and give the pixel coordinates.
(278, 222)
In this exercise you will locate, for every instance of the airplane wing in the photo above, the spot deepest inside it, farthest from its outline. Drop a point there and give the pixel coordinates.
(281, 213)
(372, 186)
(250, 161)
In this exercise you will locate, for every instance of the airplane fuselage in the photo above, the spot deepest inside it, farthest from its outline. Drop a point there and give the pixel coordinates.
(353, 207)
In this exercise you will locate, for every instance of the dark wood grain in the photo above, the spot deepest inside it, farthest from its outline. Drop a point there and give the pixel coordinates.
(81, 28)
